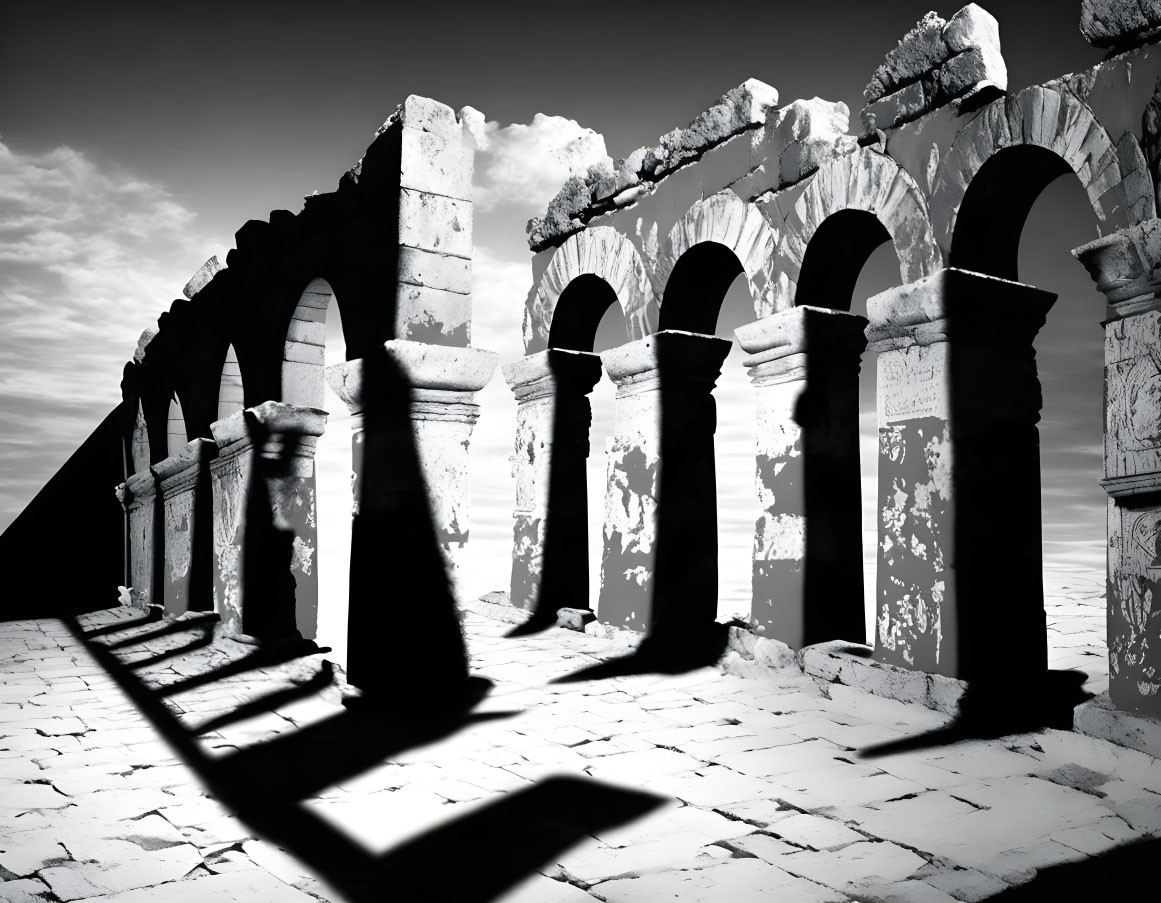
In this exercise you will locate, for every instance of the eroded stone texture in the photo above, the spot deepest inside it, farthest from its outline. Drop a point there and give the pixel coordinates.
(1119, 23)
(935, 63)
(744, 108)
(187, 505)
(550, 535)
(138, 495)
(230, 475)
(958, 400)
(807, 571)
(659, 567)
(265, 529)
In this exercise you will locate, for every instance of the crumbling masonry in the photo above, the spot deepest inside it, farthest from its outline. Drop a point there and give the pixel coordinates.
(222, 405)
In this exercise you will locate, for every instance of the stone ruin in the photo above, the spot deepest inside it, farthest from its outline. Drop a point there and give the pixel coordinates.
(222, 404)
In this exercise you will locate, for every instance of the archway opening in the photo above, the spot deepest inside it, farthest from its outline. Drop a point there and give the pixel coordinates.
(836, 257)
(231, 397)
(708, 293)
(611, 331)
(580, 312)
(176, 438)
(995, 208)
(1018, 221)
(1070, 362)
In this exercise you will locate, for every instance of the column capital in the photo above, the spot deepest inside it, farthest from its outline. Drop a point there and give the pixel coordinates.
(687, 357)
(435, 373)
(781, 345)
(137, 489)
(1126, 267)
(952, 302)
(548, 372)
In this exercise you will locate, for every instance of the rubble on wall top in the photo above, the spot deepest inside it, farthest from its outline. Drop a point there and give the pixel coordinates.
(202, 277)
(740, 109)
(1120, 24)
(937, 62)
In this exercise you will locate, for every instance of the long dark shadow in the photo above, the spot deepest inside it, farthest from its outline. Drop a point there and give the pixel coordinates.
(152, 616)
(988, 711)
(262, 657)
(168, 630)
(200, 643)
(494, 848)
(271, 701)
(1094, 878)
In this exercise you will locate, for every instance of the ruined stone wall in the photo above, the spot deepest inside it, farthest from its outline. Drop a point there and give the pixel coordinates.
(945, 164)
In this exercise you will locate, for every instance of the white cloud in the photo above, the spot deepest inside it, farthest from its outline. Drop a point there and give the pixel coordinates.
(89, 257)
(525, 164)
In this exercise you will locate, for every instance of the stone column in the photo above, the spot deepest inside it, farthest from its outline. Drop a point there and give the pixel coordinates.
(230, 478)
(441, 382)
(414, 412)
(264, 520)
(659, 568)
(960, 586)
(807, 577)
(138, 496)
(550, 538)
(1126, 267)
(186, 509)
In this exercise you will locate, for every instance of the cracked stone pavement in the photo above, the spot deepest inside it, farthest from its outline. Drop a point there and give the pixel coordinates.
(763, 793)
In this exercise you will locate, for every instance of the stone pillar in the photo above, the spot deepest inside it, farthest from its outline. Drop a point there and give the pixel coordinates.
(808, 567)
(960, 585)
(230, 478)
(414, 411)
(1127, 269)
(441, 382)
(184, 480)
(659, 568)
(550, 567)
(264, 520)
(138, 496)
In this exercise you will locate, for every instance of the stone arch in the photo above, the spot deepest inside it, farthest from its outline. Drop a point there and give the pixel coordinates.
(176, 435)
(600, 251)
(727, 221)
(231, 397)
(303, 380)
(1008, 154)
(853, 204)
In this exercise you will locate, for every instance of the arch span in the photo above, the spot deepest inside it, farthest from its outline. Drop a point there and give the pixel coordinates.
(1008, 154)
(600, 251)
(726, 221)
(867, 182)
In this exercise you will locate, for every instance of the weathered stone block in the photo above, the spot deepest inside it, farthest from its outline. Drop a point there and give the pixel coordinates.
(310, 332)
(430, 116)
(202, 277)
(574, 618)
(436, 165)
(432, 316)
(1132, 397)
(438, 271)
(1119, 23)
(921, 50)
(435, 223)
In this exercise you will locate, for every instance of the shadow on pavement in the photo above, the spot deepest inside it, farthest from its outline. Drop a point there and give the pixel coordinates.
(988, 711)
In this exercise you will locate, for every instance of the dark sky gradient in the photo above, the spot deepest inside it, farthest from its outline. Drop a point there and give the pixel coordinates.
(237, 107)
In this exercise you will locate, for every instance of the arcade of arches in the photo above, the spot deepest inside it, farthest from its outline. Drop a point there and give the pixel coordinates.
(225, 400)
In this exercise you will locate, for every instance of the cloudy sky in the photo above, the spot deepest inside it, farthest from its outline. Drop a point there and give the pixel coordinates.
(136, 138)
